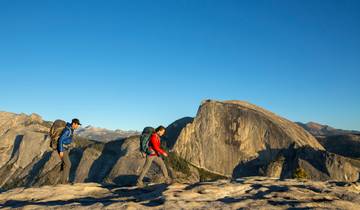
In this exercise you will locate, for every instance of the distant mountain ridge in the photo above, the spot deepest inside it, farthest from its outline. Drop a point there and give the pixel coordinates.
(103, 134)
(317, 129)
(342, 142)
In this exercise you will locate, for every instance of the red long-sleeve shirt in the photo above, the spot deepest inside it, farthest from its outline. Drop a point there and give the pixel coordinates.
(155, 145)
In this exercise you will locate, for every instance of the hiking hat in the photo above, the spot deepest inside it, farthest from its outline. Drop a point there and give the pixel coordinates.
(75, 120)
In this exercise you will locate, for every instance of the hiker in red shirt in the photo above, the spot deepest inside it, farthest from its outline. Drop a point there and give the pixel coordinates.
(154, 156)
(155, 144)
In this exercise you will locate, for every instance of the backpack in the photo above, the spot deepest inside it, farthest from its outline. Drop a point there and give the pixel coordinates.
(144, 139)
(55, 131)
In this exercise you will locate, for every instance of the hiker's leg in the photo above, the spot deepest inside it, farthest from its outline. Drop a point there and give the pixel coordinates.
(66, 165)
(149, 160)
(160, 162)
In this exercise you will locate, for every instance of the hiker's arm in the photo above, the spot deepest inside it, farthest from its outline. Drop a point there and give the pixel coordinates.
(64, 135)
(156, 146)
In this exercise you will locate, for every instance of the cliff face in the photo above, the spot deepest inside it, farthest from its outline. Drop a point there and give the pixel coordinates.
(226, 133)
(235, 138)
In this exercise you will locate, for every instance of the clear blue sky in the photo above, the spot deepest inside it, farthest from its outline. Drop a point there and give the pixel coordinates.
(128, 64)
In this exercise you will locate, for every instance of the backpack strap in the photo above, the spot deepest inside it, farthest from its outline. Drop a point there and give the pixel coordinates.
(70, 131)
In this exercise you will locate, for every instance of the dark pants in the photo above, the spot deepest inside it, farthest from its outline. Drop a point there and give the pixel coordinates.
(158, 161)
(65, 168)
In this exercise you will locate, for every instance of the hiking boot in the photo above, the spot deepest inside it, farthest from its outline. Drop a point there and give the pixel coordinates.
(168, 181)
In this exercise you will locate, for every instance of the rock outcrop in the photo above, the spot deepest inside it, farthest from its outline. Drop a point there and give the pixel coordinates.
(247, 193)
(236, 139)
(26, 158)
(174, 129)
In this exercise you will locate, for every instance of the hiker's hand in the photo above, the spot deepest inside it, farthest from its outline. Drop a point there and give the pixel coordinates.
(61, 154)
(165, 154)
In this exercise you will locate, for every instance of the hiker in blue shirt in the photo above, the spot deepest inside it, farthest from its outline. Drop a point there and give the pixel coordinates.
(63, 146)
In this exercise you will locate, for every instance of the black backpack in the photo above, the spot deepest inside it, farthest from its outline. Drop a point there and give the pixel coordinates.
(145, 138)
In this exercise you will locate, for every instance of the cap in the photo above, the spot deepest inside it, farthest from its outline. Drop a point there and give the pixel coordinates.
(75, 120)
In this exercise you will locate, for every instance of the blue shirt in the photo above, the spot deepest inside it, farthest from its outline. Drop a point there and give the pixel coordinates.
(66, 137)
